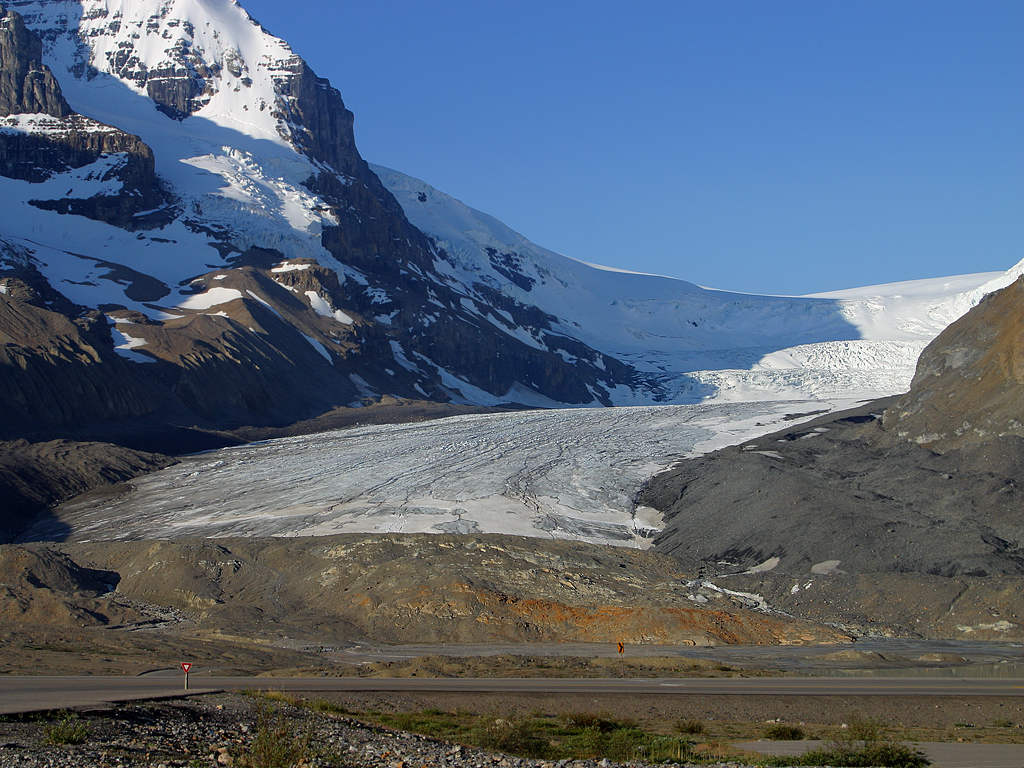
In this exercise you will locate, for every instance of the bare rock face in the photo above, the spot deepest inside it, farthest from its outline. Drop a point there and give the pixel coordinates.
(58, 370)
(27, 86)
(43, 136)
(969, 385)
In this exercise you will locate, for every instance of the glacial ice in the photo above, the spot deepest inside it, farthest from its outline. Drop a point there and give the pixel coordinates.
(565, 474)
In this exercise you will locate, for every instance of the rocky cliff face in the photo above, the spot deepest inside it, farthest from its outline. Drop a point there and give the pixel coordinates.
(61, 371)
(42, 137)
(26, 84)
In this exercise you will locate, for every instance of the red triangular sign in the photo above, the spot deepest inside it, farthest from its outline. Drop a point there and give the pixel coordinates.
(186, 666)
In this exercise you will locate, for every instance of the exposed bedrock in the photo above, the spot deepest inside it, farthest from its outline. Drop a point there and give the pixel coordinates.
(969, 386)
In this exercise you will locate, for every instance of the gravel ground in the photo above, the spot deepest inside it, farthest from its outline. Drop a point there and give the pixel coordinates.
(212, 731)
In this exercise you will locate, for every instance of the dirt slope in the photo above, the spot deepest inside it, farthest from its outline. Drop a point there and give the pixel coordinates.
(412, 588)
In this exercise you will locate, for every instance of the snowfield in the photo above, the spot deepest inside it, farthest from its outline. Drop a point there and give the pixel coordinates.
(567, 474)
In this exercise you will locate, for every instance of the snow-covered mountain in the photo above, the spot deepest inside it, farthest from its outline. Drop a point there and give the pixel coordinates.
(190, 235)
(691, 342)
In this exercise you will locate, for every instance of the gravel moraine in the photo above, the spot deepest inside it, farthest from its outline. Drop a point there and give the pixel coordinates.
(214, 731)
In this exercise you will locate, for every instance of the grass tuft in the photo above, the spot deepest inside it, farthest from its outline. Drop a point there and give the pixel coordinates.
(690, 727)
(516, 736)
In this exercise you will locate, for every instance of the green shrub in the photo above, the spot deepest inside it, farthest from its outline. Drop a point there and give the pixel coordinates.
(783, 732)
(864, 730)
(603, 723)
(276, 744)
(625, 743)
(516, 737)
(861, 745)
(67, 730)
(881, 755)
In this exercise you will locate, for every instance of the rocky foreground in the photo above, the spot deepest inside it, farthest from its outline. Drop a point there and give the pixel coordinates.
(236, 731)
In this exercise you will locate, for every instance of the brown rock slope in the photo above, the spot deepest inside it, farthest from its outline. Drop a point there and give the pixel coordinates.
(898, 517)
(417, 588)
(969, 385)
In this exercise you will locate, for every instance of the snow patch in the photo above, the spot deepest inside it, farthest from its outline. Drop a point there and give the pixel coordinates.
(320, 348)
(768, 565)
(826, 568)
(126, 345)
(287, 267)
(322, 308)
(210, 298)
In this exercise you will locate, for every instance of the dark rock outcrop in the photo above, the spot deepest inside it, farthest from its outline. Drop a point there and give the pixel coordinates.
(841, 495)
(35, 476)
(374, 236)
(58, 372)
(27, 86)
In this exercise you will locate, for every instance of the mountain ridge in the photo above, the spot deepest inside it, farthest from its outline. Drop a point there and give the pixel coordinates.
(252, 268)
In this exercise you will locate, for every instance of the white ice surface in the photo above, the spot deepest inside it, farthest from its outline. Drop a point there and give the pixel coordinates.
(569, 474)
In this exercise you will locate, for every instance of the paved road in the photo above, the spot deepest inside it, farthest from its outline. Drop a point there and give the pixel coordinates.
(942, 755)
(902, 658)
(21, 694)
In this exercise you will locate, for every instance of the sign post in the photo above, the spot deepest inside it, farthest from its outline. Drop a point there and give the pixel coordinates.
(622, 648)
(185, 667)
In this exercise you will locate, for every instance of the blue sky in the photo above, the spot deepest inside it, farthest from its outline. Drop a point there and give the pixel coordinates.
(780, 147)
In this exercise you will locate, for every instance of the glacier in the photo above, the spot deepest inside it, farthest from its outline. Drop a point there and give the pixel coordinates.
(566, 474)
